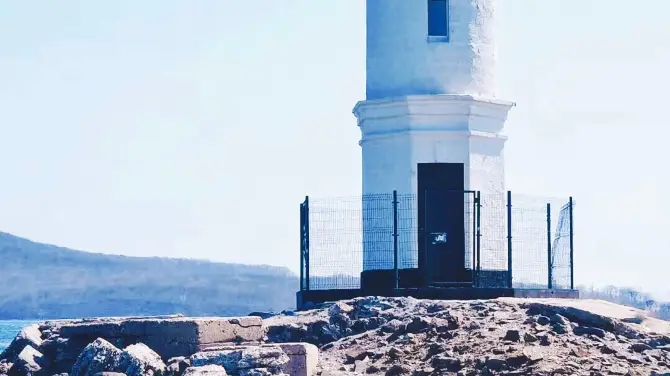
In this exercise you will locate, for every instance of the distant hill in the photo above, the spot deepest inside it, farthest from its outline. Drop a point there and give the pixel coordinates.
(45, 281)
(40, 281)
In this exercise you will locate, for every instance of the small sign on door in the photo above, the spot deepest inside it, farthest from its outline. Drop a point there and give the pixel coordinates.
(439, 237)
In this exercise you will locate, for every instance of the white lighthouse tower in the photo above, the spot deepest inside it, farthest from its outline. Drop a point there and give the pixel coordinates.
(430, 111)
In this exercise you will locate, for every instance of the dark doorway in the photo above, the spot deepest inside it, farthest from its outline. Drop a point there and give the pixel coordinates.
(441, 221)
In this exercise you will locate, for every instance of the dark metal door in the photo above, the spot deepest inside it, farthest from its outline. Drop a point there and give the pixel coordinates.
(442, 219)
(448, 236)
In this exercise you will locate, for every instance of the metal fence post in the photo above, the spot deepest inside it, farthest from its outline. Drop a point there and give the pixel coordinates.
(478, 199)
(509, 239)
(572, 250)
(395, 239)
(549, 263)
(307, 243)
(302, 246)
(474, 236)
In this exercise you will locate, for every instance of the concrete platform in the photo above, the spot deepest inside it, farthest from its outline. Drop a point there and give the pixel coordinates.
(306, 299)
(169, 337)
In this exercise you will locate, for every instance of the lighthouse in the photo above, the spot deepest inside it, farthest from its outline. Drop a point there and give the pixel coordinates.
(432, 129)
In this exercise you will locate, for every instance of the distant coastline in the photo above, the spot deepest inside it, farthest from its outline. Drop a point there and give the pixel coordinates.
(49, 282)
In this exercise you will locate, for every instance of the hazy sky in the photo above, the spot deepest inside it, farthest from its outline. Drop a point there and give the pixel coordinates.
(195, 128)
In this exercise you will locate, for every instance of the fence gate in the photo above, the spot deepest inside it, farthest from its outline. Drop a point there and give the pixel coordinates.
(449, 239)
(304, 245)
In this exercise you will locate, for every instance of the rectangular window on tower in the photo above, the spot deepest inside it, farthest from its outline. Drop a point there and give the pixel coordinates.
(438, 18)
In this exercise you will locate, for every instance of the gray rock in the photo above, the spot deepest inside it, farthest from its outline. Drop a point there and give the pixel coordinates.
(586, 330)
(360, 365)
(640, 347)
(533, 353)
(419, 324)
(586, 318)
(560, 329)
(5, 366)
(140, 360)
(319, 332)
(394, 326)
(263, 315)
(256, 372)
(177, 366)
(28, 362)
(28, 336)
(365, 324)
(263, 357)
(447, 322)
(608, 349)
(617, 370)
(513, 335)
(398, 369)
(342, 321)
(517, 360)
(529, 338)
(63, 352)
(99, 356)
(543, 320)
(234, 360)
(394, 353)
(495, 364)
(340, 308)
(210, 370)
(435, 349)
(353, 355)
(372, 369)
(558, 319)
(447, 363)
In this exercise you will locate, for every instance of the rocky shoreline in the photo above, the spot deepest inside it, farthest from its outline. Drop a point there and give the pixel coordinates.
(373, 336)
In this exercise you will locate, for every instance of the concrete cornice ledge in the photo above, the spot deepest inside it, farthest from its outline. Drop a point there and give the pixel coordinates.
(443, 104)
(476, 116)
(444, 134)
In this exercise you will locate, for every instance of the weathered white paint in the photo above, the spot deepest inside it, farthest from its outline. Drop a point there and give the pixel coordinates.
(402, 60)
(429, 100)
(399, 133)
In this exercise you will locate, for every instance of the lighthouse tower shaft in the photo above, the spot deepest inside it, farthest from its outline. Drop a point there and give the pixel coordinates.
(431, 119)
(430, 47)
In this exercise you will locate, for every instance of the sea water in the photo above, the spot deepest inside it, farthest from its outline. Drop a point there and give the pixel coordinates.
(9, 330)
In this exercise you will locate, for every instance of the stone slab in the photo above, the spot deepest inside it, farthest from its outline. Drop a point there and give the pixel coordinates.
(303, 357)
(169, 337)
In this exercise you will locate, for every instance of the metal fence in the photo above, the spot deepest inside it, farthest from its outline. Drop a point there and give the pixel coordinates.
(508, 241)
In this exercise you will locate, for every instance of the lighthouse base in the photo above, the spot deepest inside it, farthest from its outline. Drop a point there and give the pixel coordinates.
(373, 281)
(313, 298)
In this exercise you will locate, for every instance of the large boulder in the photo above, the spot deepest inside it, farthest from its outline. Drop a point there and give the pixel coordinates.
(140, 360)
(177, 366)
(29, 362)
(28, 336)
(5, 366)
(134, 360)
(63, 352)
(99, 356)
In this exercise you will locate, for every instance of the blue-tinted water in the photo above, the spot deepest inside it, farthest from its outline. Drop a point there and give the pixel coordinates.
(9, 330)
